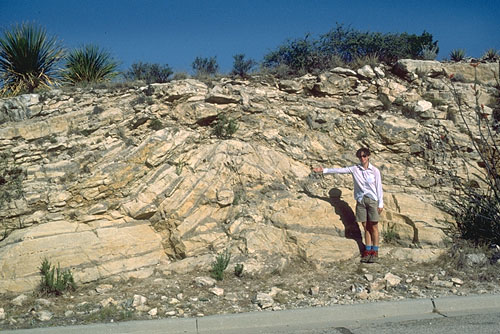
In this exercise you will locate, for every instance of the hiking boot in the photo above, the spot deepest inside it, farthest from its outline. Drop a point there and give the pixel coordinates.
(373, 257)
(366, 256)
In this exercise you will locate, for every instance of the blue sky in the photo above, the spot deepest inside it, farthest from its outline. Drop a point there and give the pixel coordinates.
(176, 32)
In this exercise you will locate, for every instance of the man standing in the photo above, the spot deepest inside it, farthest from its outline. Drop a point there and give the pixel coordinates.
(369, 199)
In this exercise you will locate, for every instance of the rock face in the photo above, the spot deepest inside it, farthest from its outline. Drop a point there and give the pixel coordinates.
(117, 182)
(95, 250)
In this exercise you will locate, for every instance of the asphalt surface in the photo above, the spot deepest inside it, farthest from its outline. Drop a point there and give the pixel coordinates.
(468, 313)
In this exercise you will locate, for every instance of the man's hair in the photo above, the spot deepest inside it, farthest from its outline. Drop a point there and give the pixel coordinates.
(364, 151)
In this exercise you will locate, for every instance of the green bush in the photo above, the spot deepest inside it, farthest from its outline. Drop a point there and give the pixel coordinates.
(89, 64)
(54, 280)
(350, 43)
(345, 45)
(457, 54)
(27, 59)
(300, 56)
(225, 127)
(149, 73)
(220, 264)
(205, 67)
(241, 67)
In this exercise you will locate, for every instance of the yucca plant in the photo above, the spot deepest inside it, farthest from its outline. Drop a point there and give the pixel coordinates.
(28, 59)
(89, 64)
(457, 54)
(491, 54)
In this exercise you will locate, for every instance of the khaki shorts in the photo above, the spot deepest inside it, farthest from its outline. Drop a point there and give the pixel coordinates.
(366, 211)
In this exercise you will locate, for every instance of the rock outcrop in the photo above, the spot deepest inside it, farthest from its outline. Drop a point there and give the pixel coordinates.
(118, 182)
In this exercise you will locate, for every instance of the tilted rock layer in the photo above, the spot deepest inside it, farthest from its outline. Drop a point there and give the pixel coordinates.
(123, 181)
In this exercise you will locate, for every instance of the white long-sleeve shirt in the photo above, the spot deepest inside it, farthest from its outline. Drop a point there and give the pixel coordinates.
(367, 182)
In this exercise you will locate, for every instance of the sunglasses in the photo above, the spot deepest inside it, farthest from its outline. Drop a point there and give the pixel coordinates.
(363, 156)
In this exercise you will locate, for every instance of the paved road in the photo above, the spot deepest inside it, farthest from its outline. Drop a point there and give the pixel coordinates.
(473, 314)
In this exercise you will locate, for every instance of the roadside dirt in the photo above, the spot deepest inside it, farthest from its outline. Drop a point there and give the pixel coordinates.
(299, 285)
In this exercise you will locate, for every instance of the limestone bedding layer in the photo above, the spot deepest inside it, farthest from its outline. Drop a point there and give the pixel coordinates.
(125, 181)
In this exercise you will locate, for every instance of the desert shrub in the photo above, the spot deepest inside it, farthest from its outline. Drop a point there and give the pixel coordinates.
(344, 44)
(205, 67)
(89, 64)
(220, 264)
(54, 280)
(477, 208)
(225, 127)
(457, 54)
(28, 57)
(149, 73)
(242, 67)
(301, 56)
(350, 43)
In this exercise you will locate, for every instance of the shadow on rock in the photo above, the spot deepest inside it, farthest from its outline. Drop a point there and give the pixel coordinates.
(345, 213)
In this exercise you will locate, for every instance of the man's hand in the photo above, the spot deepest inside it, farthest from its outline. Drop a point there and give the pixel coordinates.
(380, 210)
(318, 170)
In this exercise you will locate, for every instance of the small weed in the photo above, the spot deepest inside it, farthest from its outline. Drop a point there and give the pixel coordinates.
(409, 111)
(54, 280)
(238, 269)
(179, 167)
(371, 59)
(451, 115)
(421, 73)
(97, 110)
(436, 102)
(220, 264)
(239, 196)
(389, 234)
(225, 128)
(141, 99)
(155, 124)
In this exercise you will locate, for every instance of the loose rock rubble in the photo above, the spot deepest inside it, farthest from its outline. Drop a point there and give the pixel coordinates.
(298, 285)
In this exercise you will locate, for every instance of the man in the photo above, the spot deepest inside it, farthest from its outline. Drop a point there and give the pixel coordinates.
(369, 199)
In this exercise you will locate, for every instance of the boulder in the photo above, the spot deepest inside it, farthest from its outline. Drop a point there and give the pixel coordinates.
(91, 253)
